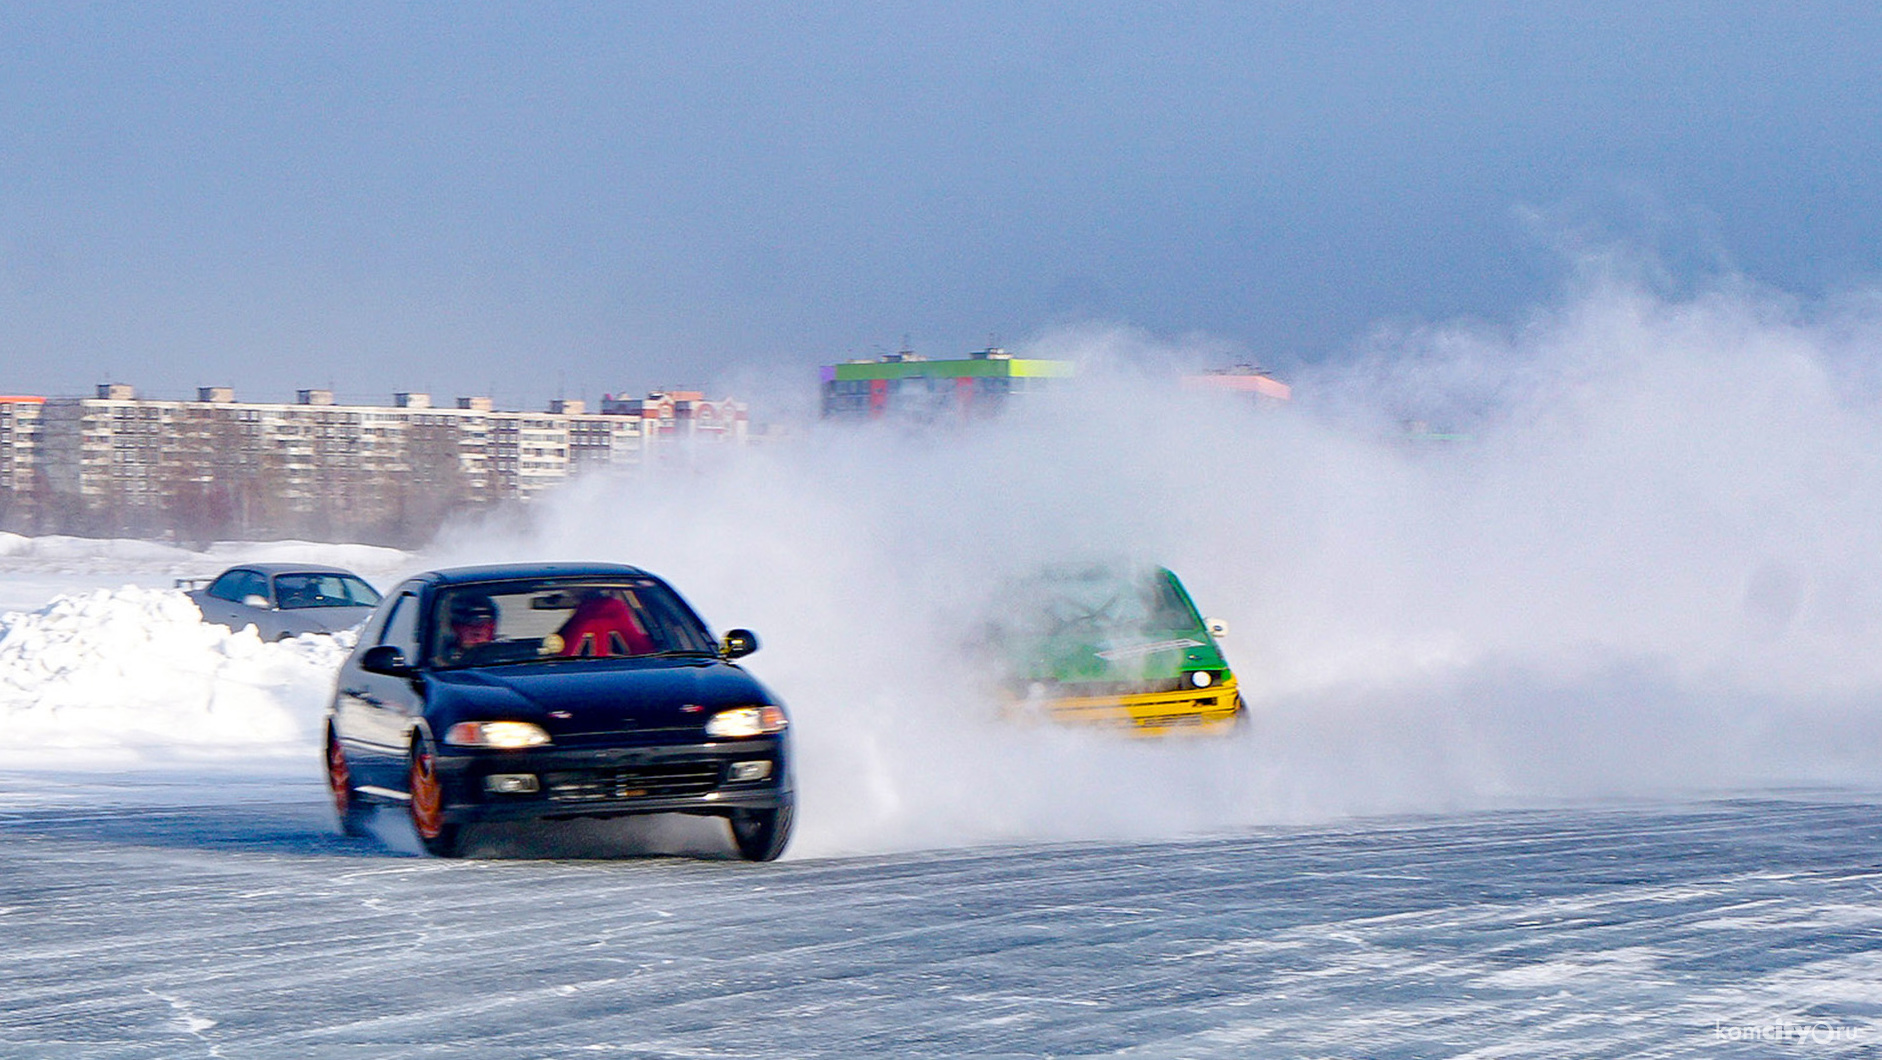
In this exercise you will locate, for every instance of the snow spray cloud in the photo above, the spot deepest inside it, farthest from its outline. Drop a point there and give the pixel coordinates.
(1652, 561)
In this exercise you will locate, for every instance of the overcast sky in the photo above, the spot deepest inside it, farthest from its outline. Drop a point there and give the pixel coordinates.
(538, 199)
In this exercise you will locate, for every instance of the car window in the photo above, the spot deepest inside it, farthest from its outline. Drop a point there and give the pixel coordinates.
(321, 589)
(372, 632)
(236, 585)
(507, 622)
(1167, 607)
(402, 626)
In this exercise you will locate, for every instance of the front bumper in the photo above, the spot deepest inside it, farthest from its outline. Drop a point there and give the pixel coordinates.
(1204, 711)
(613, 781)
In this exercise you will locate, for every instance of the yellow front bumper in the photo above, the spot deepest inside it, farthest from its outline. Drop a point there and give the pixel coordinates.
(1211, 710)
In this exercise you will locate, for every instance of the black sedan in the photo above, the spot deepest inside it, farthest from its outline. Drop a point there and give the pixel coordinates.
(283, 600)
(548, 692)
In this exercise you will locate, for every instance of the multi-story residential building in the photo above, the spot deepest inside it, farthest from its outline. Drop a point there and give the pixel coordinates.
(682, 414)
(19, 441)
(908, 384)
(218, 467)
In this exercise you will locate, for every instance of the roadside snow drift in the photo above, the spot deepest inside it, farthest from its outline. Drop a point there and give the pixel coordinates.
(133, 676)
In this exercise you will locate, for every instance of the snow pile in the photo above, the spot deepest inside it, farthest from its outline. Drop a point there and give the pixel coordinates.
(134, 676)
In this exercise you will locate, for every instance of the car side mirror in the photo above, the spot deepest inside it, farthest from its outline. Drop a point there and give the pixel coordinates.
(1217, 627)
(738, 643)
(385, 659)
(256, 600)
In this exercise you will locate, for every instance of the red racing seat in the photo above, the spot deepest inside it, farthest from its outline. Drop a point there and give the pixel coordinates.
(604, 625)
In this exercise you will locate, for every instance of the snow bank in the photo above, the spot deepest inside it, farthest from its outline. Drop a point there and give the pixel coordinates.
(133, 676)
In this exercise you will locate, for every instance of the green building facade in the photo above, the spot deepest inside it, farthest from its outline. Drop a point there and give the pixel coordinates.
(907, 385)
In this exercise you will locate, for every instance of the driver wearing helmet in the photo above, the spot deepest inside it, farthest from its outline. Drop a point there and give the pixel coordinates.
(473, 622)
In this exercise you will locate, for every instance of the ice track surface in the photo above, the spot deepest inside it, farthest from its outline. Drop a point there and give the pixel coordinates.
(1743, 928)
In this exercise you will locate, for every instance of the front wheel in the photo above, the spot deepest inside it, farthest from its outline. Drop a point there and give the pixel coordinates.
(439, 838)
(346, 805)
(760, 835)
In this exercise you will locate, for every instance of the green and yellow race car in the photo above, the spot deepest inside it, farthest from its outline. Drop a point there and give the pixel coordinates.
(1109, 645)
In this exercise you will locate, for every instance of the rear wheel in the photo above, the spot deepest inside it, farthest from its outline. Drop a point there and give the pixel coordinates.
(440, 838)
(760, 835)
(346, 805)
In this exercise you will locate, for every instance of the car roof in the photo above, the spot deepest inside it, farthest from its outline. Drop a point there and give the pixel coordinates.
(272, 569)
(498, 572)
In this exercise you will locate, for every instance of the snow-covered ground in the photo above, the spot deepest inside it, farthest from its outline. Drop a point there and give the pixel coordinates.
(1749, 929)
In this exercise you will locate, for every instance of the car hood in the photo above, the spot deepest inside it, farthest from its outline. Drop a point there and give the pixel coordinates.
(589, 698)
(1137, 658)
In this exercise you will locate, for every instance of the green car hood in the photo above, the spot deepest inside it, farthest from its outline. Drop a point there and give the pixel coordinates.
(1159, 656)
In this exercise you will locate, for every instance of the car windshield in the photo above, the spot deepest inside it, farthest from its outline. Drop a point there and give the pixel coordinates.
(322, 589)
(1100, 603)
(508, 622)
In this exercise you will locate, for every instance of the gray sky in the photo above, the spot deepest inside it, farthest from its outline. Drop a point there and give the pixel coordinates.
(534, 199)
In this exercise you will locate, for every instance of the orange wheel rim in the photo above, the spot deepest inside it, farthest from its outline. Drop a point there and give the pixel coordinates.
(427, 796)
(339, 778)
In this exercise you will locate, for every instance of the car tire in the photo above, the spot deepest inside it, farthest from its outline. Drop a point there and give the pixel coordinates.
(760, 835)
(352, 813)
(439, 837)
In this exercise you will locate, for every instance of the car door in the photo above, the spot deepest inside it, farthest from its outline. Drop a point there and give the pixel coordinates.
(221, 602)
(375, 713)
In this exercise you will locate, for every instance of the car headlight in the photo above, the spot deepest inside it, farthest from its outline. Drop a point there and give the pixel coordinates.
(746, 721)
(501, 734)
(1201, 678)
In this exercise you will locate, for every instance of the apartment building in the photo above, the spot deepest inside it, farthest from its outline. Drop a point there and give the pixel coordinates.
(910, 385)
(19, 442)
(217, 467)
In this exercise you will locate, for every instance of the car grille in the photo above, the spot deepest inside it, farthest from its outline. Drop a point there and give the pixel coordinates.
(608, 736)
(633, 782)
(1173, 721)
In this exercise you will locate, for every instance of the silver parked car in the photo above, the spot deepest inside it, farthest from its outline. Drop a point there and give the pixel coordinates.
(283, 600)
